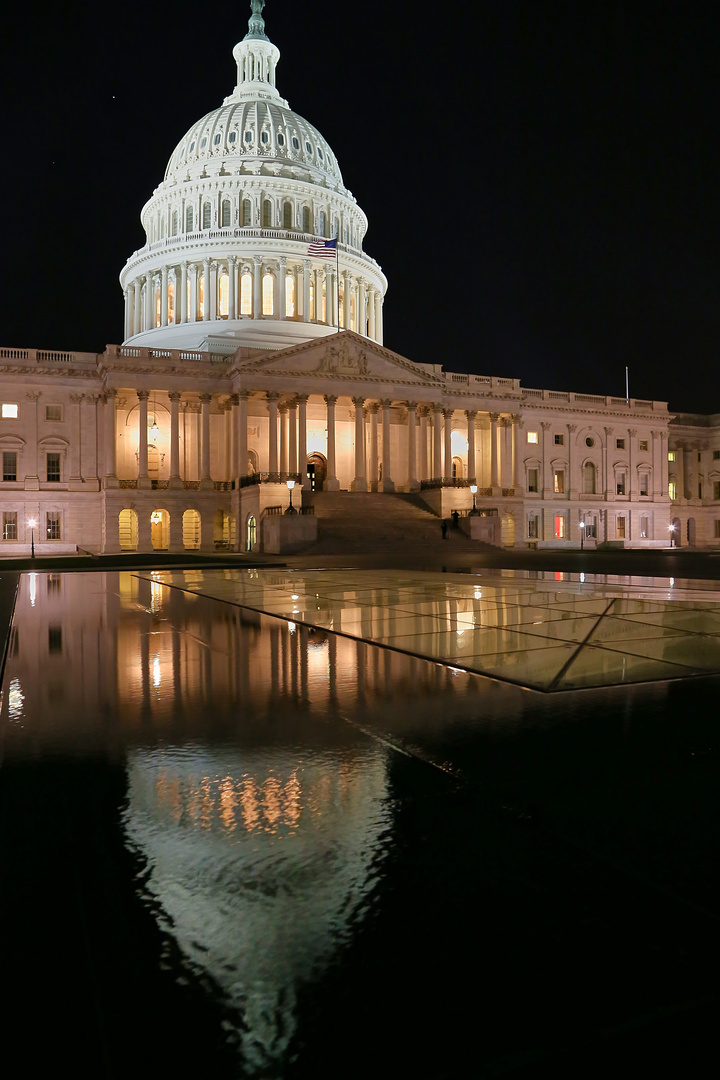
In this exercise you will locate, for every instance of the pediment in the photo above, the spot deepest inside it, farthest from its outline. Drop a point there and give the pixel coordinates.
(344, 357)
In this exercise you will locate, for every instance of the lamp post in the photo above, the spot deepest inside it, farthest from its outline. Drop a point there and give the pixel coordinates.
(582, 535)
(291, 509)
(473, 488)
(32, 523)
(672, 535)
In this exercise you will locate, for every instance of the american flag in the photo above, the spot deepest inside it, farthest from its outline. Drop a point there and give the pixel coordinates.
(323, 249)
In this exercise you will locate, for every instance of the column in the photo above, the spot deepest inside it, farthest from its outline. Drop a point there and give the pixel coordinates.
(378, 319)
(283, 411)
(232, 289)
(292, 433)
(387, 482)
(412, 480)
(272, 399)
(206, 290)
(32, 480)
(371, 315)
(437, 442)
(572, 484)
(138, 307)
(632, 484)
(257, 286)
(111, 480)
(664, 465)
(150, 302)
(680, 469)
(205, 478)
(164, 297)
(494, 471)
(346, 300)
(241, 438)
(471, 414)
(183, 292)
(608, 481)
(360, 481)
(331, 483)
(302, 440)
(281, 288)
(362, 308)
(75, 477)
(447, 470)
(175, 480)
(518, 467)
(306, 292)
(143, 480)
(373, 411)
(424, 472)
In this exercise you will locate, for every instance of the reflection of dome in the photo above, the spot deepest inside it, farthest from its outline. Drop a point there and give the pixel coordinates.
(246, 191)
(259, 862)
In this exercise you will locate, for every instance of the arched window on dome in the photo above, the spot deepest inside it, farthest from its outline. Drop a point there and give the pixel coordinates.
(171, 302)
(287, 216)
(266, 214)
(268, 294)
(246, 291)
(226, 214)
(246, 213)
(189, 219)
(336, 228)
(174, 222)
(206, 215)
(311, 295)
(307, 220)
(224, 294)
(321, 223)
(158, 307)
(289, 296)
(201, 296)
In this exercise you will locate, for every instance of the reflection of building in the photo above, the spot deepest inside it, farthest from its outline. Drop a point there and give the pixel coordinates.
(248, 361)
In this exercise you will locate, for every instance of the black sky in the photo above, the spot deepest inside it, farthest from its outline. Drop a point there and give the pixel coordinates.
(540, 178)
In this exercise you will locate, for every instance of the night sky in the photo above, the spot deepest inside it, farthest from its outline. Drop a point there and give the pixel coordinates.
(541, 179)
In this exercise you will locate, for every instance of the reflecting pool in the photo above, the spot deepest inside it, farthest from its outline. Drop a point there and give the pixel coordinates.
(239, 831)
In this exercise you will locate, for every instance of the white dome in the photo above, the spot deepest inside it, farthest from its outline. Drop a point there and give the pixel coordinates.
(247, 191)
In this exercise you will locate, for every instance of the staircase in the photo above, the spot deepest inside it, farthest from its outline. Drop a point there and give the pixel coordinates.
(354, 522)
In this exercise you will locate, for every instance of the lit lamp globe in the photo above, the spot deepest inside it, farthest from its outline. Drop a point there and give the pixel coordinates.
(473, 488)
(32, 523)
(291, 509)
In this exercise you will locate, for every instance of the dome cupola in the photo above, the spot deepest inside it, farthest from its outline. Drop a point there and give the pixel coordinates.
(247, 191)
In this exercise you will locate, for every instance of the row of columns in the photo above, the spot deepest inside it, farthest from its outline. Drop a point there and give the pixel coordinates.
(359, 296)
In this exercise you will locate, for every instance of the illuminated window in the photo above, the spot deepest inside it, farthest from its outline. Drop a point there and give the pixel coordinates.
(171, 302)
(9, 466)
(672, 490)
(191, 526)
(590, 526)
(620, 483)
(289, 296)
(671, 455)
(589, 478)
(644, 483)
(224, 291)
(559, 527)
(10, 525)
(644, 527)
(189, 219)
(268, 294)
(9, 412)
(532, 436)
(287, 215)
(532, 528)
(52, 465)
(53, 412)
(266, 214)
(52, 524)
(311, 295)
(643, 444)
(559, 481)
(620, 528)
(158, 307)
(201, 295)
(246, 294)
(225, 213)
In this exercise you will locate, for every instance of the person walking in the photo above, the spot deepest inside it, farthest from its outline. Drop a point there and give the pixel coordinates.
(443, 526)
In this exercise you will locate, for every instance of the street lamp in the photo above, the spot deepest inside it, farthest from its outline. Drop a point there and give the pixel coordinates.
(582, 535)
(473, 488)
(672, 535)
(291, 509)
(32, 523)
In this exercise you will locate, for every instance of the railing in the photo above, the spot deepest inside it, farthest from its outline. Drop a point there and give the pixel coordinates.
(127, 483)
(273, 511)
(160, 485)
(223, 485)
(49, 356)
(508, 492)
(444, 482)
(269, 478)
(191, 485)
(191, 355)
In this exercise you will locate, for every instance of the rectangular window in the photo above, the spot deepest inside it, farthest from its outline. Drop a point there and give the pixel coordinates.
(53, 468)
(590, 526)
(716, 455)
(9, 466)
(532, 436)
(532, 528)
(644, 483)
(559, 482)
(53, 412)
(643, 444)
(716, 489)
(671, 455)
(672, 490)
(10, 525)
(620, 444)
(644, 527)
(717, 529)
(52, 525)
(620, 531)
(559, 526)
(9, 412)
(559, 440)
(620, 483)
(532, 480)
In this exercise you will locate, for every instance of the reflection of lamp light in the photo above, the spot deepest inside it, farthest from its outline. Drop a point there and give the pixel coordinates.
(291, 509)
(32, 523)
(473, 488)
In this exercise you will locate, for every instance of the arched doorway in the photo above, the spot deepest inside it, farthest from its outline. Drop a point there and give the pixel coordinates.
(457, 468)
(160, 530)
(128, 530)
(317, 471)
(251, 534)
(191, 530)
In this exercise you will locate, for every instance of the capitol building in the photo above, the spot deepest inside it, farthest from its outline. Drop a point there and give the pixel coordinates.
(253, 356)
